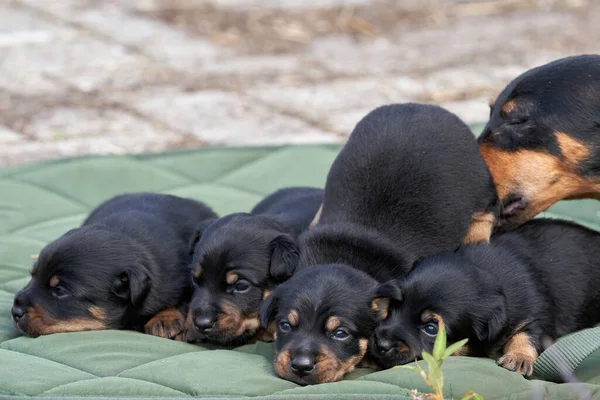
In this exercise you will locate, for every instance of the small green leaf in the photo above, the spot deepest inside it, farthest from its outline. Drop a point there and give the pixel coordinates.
(440, 340)
(453, 348)
(431, 361)
(471, 396)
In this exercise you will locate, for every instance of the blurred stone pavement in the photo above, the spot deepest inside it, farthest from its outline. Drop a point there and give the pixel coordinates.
(121, 76)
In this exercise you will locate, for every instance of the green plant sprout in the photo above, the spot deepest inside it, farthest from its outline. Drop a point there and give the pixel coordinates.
(434, 377)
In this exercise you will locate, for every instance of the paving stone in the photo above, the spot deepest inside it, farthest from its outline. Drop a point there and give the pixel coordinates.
(472, 111)
(154, 38)
(219, 117)
(8, 137)
(320, 100)
(64, 123)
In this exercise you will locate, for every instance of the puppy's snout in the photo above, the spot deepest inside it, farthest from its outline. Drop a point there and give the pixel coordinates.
(303, 365)
(383, 345)
(17, 312)
(204, 323)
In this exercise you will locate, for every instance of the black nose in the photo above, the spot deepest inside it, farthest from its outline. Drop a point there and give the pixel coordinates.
(303, 365)
(204, 324)
(17, 312)
(384, 345)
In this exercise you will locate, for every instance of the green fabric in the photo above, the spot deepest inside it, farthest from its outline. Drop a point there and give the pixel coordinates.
(41, 201)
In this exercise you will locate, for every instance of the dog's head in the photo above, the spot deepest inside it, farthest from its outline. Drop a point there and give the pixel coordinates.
(237, 260)
(445, 285)
(539, 143)
(324, 318)
(88, 279)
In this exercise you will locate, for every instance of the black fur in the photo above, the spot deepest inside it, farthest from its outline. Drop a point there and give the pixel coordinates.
(405, 186)
(560, 97)
(260, 248)
(315, 294)
(542, 279)
(129, 260)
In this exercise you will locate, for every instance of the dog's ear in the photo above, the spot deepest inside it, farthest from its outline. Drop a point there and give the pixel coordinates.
(267, 309)
(133, 285)
(284, 257)
(490, 318)
(390, 290)
(202, 227)
(381, 298)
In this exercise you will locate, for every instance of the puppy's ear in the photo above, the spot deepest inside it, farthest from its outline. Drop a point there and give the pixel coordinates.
(389, 289)
(267, 310)
(133, 285)
(490, 319)
(202, 226)
(284, 257)
(381, 299)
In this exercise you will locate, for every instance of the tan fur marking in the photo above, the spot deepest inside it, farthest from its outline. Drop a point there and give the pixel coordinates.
(330, 369)
(428, 316)
(197, 272)
(332, 323)
(509, 106)
(519, 354)
(232, 323)
(282, 362)
(462, 352)
(266, 293)
(54, 281)
(572, 149)
(38, 322)
(381, 305)
(540, 177)
(293, 318)
(269, 334)
(168, 323)
(481, 228)
(97, 312)
(231, 278)
(317, 217)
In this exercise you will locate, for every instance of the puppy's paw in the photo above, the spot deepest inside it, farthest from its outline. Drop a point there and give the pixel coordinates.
(168, 324)
(517, 362)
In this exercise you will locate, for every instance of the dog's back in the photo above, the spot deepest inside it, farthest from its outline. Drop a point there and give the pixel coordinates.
(295, 207)
(563, 259)
(413, 173)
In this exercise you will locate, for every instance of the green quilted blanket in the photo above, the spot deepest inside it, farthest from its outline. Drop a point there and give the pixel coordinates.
(40, 202)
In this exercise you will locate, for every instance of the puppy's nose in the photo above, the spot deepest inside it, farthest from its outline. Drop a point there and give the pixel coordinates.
(384, 345)
(17, 312)
(302, 365)
(204, 324)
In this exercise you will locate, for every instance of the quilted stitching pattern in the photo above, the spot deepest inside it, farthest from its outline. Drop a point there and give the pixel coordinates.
(40, 202)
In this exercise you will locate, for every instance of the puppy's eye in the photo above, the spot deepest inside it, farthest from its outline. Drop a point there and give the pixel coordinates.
(284, 327)
(59, 292)
(431, 329)
(340, 334)
(241, 286)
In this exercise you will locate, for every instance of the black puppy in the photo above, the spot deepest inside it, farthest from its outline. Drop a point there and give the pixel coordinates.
(542, 143)
(410, 182)
(542, 279)
(324, 319)
(239, 258)
(126, 264)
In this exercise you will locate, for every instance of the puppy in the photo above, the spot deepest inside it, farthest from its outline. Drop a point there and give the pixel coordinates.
(239, 258)
(324, 319)
(410, 182)
(126, 264)
(542, 142)
(541, 280)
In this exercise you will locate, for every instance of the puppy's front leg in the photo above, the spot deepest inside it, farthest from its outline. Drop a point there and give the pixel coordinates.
(168, 323)
(520, 354)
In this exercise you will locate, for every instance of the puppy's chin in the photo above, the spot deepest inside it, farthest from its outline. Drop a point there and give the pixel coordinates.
(36, 323)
